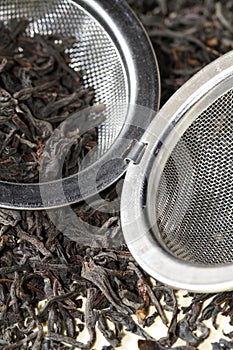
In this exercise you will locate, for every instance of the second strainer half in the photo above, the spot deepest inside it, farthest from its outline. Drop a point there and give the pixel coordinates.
(177, 202)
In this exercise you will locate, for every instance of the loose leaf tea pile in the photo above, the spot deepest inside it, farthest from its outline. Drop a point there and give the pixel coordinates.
(38, 91)
(38, 263)
(186, 35)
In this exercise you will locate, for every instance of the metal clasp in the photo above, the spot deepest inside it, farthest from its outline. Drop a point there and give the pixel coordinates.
(135, 152)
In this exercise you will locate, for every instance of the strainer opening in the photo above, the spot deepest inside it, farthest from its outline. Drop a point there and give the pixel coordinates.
(94, 53)
(194, 205)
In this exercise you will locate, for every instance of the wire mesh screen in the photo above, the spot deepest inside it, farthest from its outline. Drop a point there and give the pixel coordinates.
(94, 53)
(195, 194)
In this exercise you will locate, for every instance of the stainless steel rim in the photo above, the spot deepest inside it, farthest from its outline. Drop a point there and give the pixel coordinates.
(144, 90)
(136, 214)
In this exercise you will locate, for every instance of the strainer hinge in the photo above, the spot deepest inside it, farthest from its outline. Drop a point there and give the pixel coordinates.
(135, 151)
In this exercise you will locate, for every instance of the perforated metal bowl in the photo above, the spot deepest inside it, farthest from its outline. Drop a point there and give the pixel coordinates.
(114, 51)
(177, 203)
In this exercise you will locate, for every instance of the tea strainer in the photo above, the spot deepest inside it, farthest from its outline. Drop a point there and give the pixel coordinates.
(113, 50)
(177, 203)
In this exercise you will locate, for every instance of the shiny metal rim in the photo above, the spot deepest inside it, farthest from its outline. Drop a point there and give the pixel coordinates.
(136, 214)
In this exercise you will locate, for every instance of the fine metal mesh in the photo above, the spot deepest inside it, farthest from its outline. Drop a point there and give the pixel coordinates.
(94, 53)
(195, 195)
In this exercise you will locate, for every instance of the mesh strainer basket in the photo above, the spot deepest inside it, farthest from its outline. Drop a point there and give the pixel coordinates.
(119, 63)
(177, 203)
